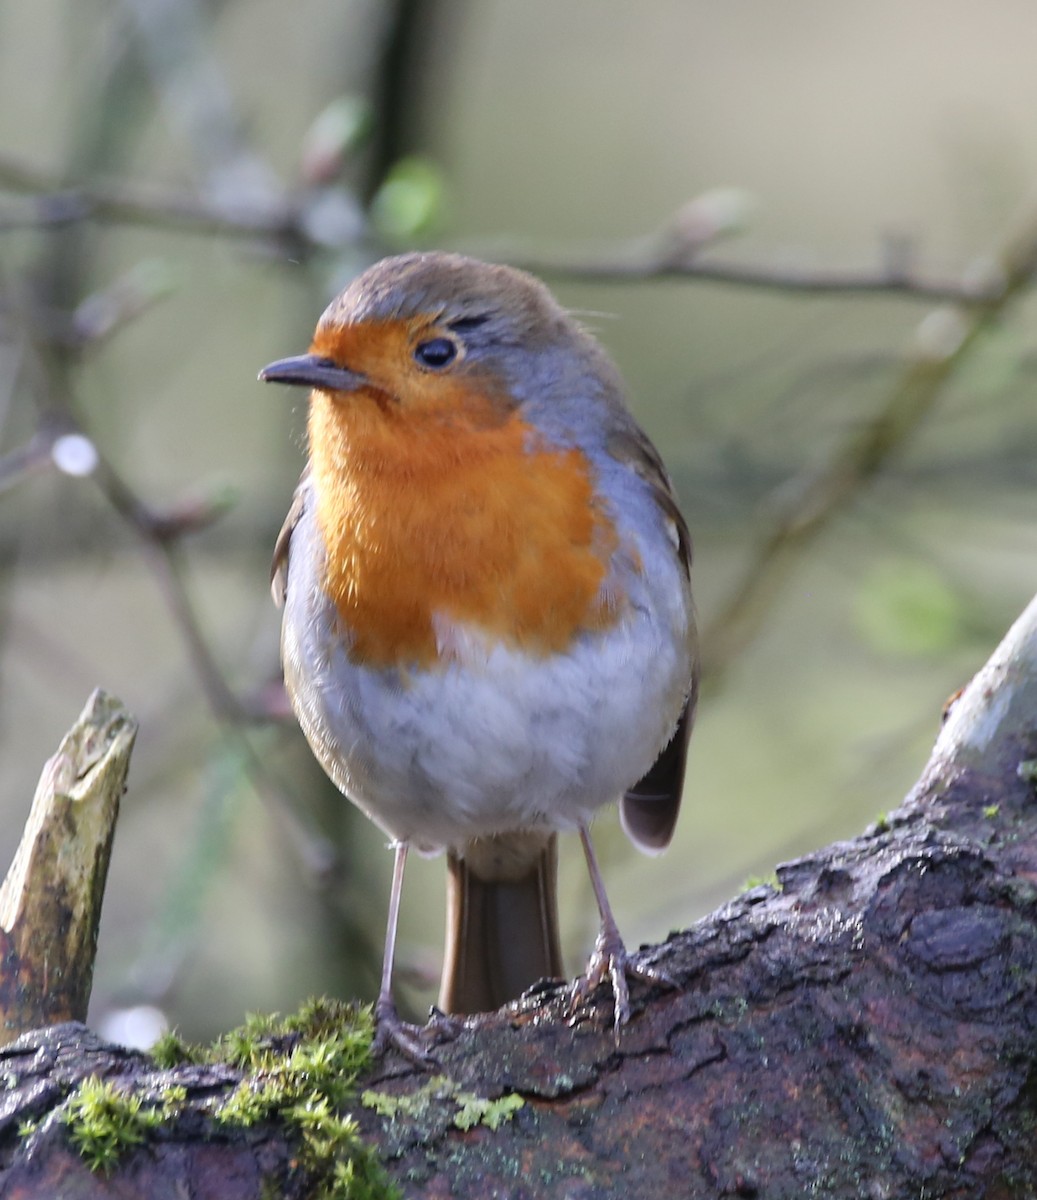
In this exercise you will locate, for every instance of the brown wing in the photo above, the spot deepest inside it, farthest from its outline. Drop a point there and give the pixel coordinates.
(630, 445)
(279, 567)
(649, 809)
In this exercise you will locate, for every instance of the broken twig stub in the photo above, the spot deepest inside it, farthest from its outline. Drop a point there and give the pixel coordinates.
(50, 902)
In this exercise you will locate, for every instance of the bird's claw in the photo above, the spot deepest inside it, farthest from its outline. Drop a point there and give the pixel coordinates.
(392, 1032)
(610, 959)
(444, 1026)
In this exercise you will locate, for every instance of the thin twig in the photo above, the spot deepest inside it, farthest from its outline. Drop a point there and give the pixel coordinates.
(161, 545)
(135, 204)
(818, 281)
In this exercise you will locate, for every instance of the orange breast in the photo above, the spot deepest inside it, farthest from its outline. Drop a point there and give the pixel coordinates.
(433, 512)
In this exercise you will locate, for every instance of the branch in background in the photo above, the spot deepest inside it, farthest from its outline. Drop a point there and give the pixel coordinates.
(161, 535)
(676, 252)
(47, 203)
(61, 441)
(329, 218)
(314, 219)
(640, 265)
(941, 344)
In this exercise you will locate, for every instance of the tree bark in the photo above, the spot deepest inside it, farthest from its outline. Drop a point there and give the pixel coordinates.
(866, 1028)
(50, 901)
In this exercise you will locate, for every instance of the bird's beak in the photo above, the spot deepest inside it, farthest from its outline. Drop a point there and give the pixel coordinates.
(310, 370)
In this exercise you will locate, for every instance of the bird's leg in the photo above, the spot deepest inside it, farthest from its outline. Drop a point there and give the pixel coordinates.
(610, 957)
(389, 1029)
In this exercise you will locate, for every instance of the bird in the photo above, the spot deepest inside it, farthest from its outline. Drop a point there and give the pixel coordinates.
(488, 630)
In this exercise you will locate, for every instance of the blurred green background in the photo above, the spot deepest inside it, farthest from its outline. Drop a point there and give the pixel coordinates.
(183, 185)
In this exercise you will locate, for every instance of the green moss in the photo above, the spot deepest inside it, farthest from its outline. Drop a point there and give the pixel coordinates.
(468, 1109)
(174, 1097)
(302, 1069)
(299, 1069)
(475, 1110)
(104, 1121)
(412, 1107)
(755, 881)
(172, 1051)
(1027, 770)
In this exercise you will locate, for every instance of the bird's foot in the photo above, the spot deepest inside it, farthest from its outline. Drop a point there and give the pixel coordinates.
(611, 960)
(392, 1032)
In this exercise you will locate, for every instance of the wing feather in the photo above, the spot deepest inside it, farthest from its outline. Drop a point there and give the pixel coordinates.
(282, 547)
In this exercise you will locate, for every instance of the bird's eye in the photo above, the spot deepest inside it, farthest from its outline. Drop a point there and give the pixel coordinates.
(436, 353)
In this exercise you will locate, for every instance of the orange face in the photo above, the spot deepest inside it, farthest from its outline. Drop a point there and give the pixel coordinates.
(438, 501)
(385, 353)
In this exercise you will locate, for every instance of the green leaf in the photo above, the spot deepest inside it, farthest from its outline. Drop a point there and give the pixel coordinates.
(410, 201)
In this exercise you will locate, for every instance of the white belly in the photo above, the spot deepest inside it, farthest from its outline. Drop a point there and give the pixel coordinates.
(492, 740)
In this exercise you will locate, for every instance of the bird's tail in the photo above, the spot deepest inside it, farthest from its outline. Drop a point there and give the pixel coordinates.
(502, 921)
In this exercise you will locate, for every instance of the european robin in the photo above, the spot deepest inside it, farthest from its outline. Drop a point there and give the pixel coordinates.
(488, 629)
